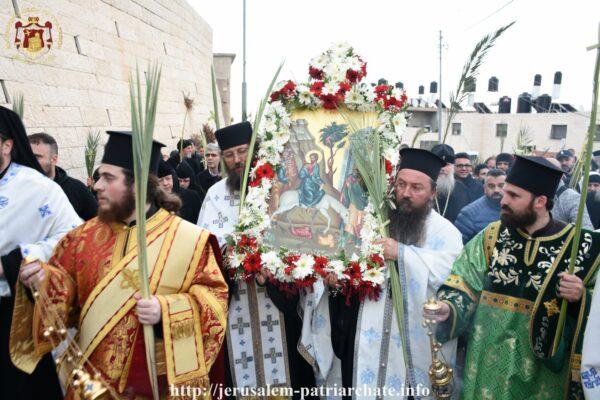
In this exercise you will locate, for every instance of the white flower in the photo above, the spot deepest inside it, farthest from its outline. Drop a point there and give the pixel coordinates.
(271, 262)
(399, 123)
(354, 63)
(268, 124)
(236, 259)
(319, 61)
(304, 267)
(281, 137)
(336, 267)
(354, 97)
(392, 154)
(340, 49)
(374, 275)
(330, 88)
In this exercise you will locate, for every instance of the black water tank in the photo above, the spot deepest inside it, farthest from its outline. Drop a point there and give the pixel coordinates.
(537, 80)
(399, 85)
(433, 87)
(493, 84)
(524, 103)
(542, 103)
(421, 89)
(382, 81)
(470, 85)
(557, 78)
(504, 105)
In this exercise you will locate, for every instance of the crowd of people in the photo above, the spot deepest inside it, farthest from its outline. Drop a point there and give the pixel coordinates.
(490, 242)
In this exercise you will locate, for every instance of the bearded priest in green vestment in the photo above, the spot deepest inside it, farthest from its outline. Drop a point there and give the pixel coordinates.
(505, 291)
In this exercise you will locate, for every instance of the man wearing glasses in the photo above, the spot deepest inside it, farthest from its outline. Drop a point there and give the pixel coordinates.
(462, 172)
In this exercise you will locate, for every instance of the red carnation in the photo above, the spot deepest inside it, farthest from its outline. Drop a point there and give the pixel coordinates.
(330, 101)
(352, 75)
(315, 73)
(344, 87)
(247, 241)
(388, 167)
(265, 171)
(252, 263)
(392, 103)
(376, 258)
(363, 69)
(382, 90)
(275, 96)
(288, 89)
(320, 264)
(317, 87)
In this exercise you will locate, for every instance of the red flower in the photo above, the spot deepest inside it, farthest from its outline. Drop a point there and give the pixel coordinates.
(315, 73)
(247, 241)
(317, 87)
(388, 167)
(344, 87)
(320, 264)
(352, 75)
(376, 258)
(252, 263)
(275, 96)
(265, 171)
(363, 69)
(330, 101)
(392, 103)
(382, 90)
(288, 89)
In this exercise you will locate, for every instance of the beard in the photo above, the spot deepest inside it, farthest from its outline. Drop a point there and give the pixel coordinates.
(515, 220)
(445, 184)
(234, 179)
(408, 222)
(594, 194)
(118, 211)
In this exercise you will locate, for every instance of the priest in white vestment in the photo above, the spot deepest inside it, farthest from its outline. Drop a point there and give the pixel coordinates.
(259, 350)
(590, 363)
(365, 336)
(34, 215)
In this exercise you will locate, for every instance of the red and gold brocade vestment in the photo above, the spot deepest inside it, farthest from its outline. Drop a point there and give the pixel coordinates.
(91, 280)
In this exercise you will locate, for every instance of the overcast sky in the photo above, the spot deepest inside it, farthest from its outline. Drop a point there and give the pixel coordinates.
(399, 41)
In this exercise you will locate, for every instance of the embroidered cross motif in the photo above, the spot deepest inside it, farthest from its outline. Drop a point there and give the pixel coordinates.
(272, 355)
(262, 289)
(130, 279)
(240, 325)
(245, 360)
(551, 307)
(3, 202)
(45, 211)
(269, 323)
(591, 378)
(232, 201)
(371, 335)
(237, 294)
(221, 220)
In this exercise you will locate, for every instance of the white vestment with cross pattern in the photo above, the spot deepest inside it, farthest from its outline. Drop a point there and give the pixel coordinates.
(255, 329)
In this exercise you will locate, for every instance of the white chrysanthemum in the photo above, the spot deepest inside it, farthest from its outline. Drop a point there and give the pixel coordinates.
(374, 275)
(330, 88)
(236, 259)
(336, 267)
(269, 124)
(271, 262)
(399, 123)
(340, 49)
(354, 257)
(319, 61)
(281, 136)
(354, 63)
(354, 97)
(391, 154)
(304, 267)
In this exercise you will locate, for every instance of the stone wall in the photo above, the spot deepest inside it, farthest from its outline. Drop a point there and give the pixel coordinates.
(83, 85)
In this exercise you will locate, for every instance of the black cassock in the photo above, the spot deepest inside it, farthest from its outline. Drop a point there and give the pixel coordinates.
(344, 319)
(80, 197)
(14, 383)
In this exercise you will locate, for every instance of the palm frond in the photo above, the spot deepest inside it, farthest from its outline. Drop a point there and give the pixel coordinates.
(19, 104)
(143, 116)
(257, 120)
(91, 150)
(524, 143)
(470, 71)
(418, 134)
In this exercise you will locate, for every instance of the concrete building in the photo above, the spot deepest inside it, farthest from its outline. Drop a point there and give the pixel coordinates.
(488, 125)
(81, 84)
(222, 63)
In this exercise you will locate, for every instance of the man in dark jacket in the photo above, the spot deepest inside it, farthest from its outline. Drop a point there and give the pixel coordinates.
(479, 214)
(81, 198)
(451, 195)
(210, 175)
(462, 173)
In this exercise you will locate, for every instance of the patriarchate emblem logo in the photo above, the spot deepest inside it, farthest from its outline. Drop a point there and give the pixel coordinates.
(34, 34)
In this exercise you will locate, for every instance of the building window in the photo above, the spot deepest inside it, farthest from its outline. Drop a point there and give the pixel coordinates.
(456, 128)
(501, 130)
(558, 132)
(427, 144)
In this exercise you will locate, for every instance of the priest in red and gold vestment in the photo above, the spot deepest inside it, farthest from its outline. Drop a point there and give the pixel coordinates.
(91, 283)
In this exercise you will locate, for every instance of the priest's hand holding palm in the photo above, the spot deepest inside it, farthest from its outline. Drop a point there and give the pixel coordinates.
(390, 248)
(148, 310)
(570, 287)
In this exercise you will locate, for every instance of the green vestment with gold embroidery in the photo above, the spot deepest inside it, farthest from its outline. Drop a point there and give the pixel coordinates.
(503, 295)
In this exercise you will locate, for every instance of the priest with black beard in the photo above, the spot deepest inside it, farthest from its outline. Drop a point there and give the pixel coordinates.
(365, 336)
(263, 325)
(190, 201)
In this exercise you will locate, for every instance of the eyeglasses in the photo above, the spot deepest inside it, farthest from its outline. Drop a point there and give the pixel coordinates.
(463, 165)
(240, 152)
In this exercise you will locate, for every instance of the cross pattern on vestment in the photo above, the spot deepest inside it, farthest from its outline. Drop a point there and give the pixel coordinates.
(45, 210)
(231, 200)
(272, 355)
(262, 289)
(238, 292)
(245, 360)
(269, 323)
(240, 325)
(221, 221)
